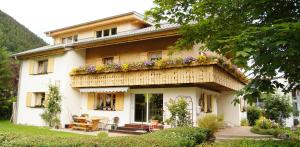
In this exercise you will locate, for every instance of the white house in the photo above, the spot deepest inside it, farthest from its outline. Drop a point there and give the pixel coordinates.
(120, 67)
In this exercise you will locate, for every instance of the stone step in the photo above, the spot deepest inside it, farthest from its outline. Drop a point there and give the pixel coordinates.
(130, 128)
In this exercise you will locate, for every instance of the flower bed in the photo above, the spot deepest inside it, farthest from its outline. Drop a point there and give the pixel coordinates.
(163, 64)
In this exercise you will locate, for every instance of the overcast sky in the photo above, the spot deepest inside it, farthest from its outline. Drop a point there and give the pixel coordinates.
(40, 16)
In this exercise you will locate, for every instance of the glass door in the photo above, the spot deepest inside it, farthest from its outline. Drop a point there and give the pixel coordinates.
(140, 111)
(148, 107)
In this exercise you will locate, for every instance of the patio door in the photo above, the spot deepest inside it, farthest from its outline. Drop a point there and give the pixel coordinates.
(148, 106)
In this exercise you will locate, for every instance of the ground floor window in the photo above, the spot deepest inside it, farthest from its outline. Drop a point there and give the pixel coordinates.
(148, 107)
(36, 99)
(105, 101)
(205, 103)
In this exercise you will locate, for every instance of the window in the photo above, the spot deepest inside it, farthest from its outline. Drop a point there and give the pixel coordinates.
(201, 102)
(209, 103)
(113, 31)
(70, 39)
(108, 60)
(99, 34)
(153, 56)
(39, 99)
(105, 102)
(205, 103)
(106, 32)
(75, 38)
(42, 66)
(36, 99)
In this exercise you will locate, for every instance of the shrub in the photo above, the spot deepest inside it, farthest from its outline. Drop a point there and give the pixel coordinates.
(277, 107)
(53, 107)
(253, 113)
(255, 143)
(263, 123)
(244, 122)
(211, 122)
(180, 116)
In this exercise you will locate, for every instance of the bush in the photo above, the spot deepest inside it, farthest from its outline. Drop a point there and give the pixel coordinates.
(180, 115)
(244, 122)
(263, 123)
(211, 122)
(186, 136)
(277, 107)
(253, 113)
(255, 143)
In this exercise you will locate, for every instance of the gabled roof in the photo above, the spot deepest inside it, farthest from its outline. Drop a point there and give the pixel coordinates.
(136, 16)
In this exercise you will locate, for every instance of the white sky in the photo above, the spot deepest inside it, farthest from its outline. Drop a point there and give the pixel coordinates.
(40, 16)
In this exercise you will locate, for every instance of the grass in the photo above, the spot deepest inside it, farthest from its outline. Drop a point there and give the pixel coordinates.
(6, 126)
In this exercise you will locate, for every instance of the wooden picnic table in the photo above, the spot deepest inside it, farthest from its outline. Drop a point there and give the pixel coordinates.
(83, 124)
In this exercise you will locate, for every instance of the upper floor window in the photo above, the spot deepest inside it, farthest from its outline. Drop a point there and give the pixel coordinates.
(108, 60)
(153, 56)
(106, 32)
(99, 34)
(113, 31)
(42, 67)
(70, 39)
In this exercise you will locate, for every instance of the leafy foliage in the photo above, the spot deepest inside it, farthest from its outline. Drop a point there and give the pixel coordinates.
(244, 122)
(261, 36)
(255, 143)
(253, 113)
(53, 107)
(6, 98)
(15, 37)
(180, 116)
(277, 107)
(211, 122)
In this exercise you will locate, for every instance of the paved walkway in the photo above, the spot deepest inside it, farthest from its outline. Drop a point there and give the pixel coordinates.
(94, 133)
(239, 132)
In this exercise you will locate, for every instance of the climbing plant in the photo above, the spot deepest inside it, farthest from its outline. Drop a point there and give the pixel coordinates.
(180, 116)
(52, 106)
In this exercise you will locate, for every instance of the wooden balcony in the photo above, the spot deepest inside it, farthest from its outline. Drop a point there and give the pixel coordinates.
(211, 76)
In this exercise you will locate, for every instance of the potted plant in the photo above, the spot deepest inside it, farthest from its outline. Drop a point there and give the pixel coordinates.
(156, 119)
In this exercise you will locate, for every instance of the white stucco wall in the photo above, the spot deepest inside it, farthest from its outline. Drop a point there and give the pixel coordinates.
(231, 112)
(39, 83)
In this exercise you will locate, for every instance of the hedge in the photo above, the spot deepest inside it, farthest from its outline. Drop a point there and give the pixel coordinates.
(169, 137)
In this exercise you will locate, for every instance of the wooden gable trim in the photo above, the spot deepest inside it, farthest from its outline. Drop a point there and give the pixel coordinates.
(141, 37)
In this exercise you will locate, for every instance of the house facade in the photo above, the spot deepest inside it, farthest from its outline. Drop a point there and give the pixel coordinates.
(121, 66)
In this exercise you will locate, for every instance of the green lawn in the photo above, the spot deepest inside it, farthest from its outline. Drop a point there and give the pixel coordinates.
(6, 126)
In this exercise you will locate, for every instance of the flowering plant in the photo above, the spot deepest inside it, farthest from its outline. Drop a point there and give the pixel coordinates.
(149, 63)
(91, 69)
(188, 60)
(125, 67)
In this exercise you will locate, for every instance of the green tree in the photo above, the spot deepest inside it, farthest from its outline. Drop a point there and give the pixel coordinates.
(180, 116)
(53, 107)
(277, 107)
(5, 85)
(260, 36)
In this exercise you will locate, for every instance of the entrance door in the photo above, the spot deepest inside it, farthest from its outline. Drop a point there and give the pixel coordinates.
(147, 107)
(140, 111)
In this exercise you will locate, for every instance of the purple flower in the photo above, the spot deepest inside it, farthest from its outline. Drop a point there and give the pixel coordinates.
(188, 60)
(149, 63)
(118, 66)
(91, 69)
